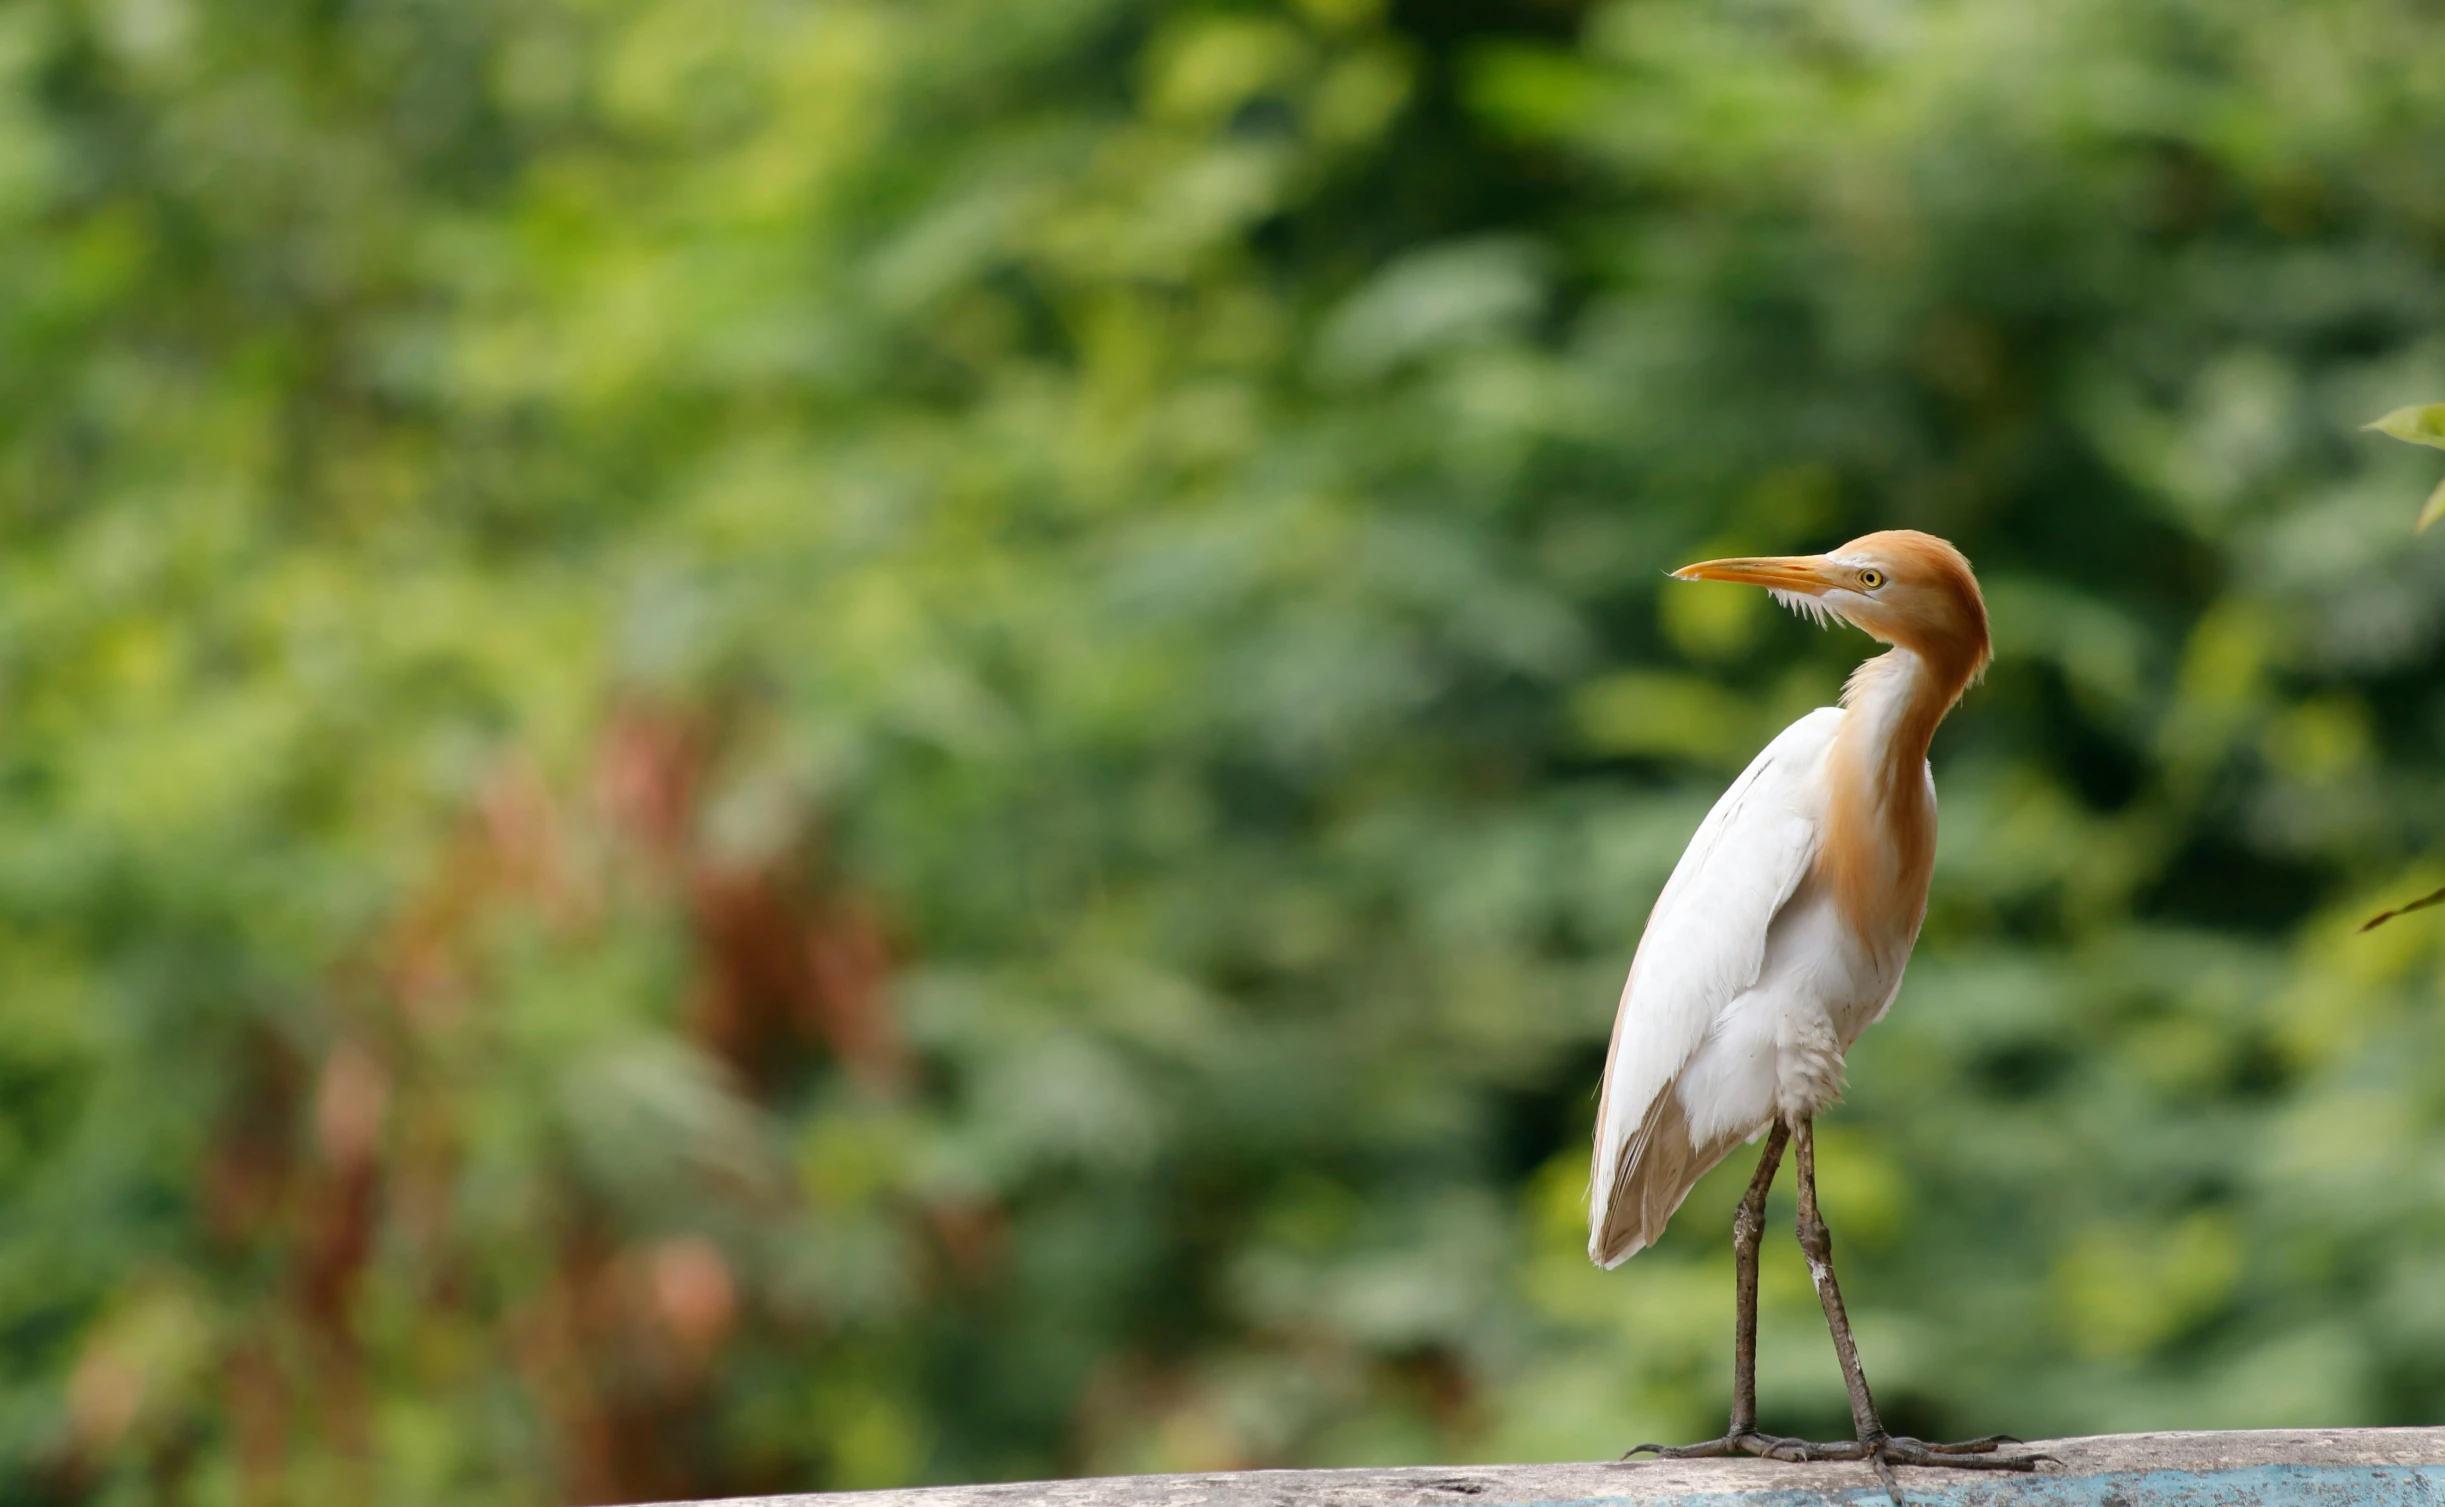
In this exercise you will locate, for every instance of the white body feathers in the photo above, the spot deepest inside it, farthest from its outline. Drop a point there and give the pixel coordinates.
(1750, 982)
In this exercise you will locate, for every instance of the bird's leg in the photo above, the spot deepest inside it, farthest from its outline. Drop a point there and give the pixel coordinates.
(1817, 1244)
(1874, 1445)
(1879, 1448)
(1748, 1231)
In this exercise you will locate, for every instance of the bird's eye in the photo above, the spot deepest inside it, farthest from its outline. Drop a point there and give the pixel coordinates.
(1871, 579)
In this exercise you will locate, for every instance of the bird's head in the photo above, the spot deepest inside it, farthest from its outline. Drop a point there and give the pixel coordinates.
(1901, 586)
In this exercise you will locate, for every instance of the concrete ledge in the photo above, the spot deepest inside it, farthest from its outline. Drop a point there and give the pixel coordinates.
(2326, 1467)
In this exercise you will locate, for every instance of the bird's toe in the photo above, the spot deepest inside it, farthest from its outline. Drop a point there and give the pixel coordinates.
(1705, 1449)
(1986, 1446)
(1970, 1454)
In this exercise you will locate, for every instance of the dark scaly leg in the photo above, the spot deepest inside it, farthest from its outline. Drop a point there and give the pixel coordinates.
(1748, 1234)
(1874, 1445)
(1877, 1447)
(1748, 1231)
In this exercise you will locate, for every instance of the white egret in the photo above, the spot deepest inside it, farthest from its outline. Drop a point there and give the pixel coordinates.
(1781, 936)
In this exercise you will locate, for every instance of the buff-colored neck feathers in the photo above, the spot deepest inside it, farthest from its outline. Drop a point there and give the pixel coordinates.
(1880, 834)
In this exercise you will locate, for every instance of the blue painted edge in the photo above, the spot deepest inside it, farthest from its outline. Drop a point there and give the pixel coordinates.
(2249, 1486)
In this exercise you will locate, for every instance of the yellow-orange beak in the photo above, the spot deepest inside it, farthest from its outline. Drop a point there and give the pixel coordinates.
(1812, 574)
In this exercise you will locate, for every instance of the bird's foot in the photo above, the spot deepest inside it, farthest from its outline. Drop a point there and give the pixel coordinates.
(1883, 1451)
(1749, 1442)
(1986, 1446)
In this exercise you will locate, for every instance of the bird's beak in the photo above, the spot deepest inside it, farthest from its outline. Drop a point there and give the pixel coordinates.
(1812, 574)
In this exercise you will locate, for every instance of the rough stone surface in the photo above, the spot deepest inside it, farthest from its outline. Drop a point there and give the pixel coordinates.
(2381, 1467)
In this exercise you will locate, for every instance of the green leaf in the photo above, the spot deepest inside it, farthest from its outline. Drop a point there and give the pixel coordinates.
(2421, 424)
(2423, 902)
(2433, 511)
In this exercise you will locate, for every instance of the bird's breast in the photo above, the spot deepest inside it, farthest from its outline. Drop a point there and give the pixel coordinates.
(1778, 1048)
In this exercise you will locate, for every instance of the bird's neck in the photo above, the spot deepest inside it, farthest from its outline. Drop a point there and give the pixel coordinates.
(1896, 701)
(1880, 836)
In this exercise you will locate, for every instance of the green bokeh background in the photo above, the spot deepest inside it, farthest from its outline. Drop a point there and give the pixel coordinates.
(762, 746)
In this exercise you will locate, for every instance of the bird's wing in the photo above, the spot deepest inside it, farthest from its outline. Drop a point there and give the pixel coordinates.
(1705, 943)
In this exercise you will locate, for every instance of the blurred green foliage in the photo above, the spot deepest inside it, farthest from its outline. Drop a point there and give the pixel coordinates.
(755, 746)
(2420, 424)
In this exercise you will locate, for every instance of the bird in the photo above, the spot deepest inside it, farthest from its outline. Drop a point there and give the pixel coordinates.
(1780, 937)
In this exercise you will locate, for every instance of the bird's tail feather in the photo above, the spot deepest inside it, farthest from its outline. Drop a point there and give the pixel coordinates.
(1654, 1173)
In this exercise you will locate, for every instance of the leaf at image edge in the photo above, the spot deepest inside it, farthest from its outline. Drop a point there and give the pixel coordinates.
(2434, 509)
(2420, 423)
